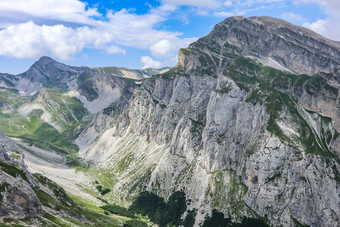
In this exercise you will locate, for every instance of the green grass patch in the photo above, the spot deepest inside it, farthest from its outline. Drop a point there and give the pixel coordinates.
(12, 170)
(76, 207)
(67, 112)
(125, 162)
(11, 100)
(185, 51)
(34, 130)
(172, 73)
(55, 220)
(115, 209)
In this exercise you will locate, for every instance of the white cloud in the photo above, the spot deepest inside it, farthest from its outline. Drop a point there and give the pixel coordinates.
(22, 38)
(164, 9)
(123, 28)
(211, 4)
(73, 11)
(161, 48)
(228, 3)
(318, 26)
(331, 7)
(115, 50)
(29, 40)
(327, 26)
(292, 17)
(150, 63)
(230, 8)
(224, 14)
(21, 41)
(164, 48)
(201, 12)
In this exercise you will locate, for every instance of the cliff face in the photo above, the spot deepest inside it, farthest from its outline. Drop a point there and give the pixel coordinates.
(272, 40)
(247, 123)
(18, 200)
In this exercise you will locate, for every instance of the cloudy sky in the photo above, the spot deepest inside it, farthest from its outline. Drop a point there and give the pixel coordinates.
(133, 33)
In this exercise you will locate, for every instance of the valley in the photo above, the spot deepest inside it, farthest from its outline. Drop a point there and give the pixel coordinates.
(238, 133)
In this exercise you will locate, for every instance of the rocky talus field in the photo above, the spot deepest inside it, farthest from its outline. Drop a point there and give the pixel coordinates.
(243, 131)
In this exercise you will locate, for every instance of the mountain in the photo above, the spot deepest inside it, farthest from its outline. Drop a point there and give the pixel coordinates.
(273, 42)
(51, 102)
(32, 199)
(45, 109)
(243, 131)
(247, 123)
(48, 73)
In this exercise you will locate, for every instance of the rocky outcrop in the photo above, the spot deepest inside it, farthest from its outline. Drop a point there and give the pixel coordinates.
(295, 48)
(51, 74)
(18, 200)
(247, 123)
(237, 127)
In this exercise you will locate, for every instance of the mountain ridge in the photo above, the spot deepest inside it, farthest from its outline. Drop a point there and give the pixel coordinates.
(285, 45)
(245, 125)
(225, 127)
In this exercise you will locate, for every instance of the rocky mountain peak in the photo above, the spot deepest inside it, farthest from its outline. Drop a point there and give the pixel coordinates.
(271, 41)
(50, 73)
(233, 135)
(46, 59)
(273, 24)
(47, 64)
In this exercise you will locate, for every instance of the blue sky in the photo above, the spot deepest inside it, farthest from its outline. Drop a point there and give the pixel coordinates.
(131, 33)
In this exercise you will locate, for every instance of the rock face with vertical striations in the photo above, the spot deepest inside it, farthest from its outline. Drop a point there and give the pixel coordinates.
(273, 41)
(247, 123)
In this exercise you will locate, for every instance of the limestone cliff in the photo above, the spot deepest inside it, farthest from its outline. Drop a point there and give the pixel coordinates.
(247, 123)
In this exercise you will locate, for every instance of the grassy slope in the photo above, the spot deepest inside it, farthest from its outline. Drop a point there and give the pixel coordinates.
(66, 111)
(61, 209)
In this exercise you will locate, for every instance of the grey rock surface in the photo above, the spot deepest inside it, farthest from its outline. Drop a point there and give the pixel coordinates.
(240, 128)
(17, 200)
(247, 123)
